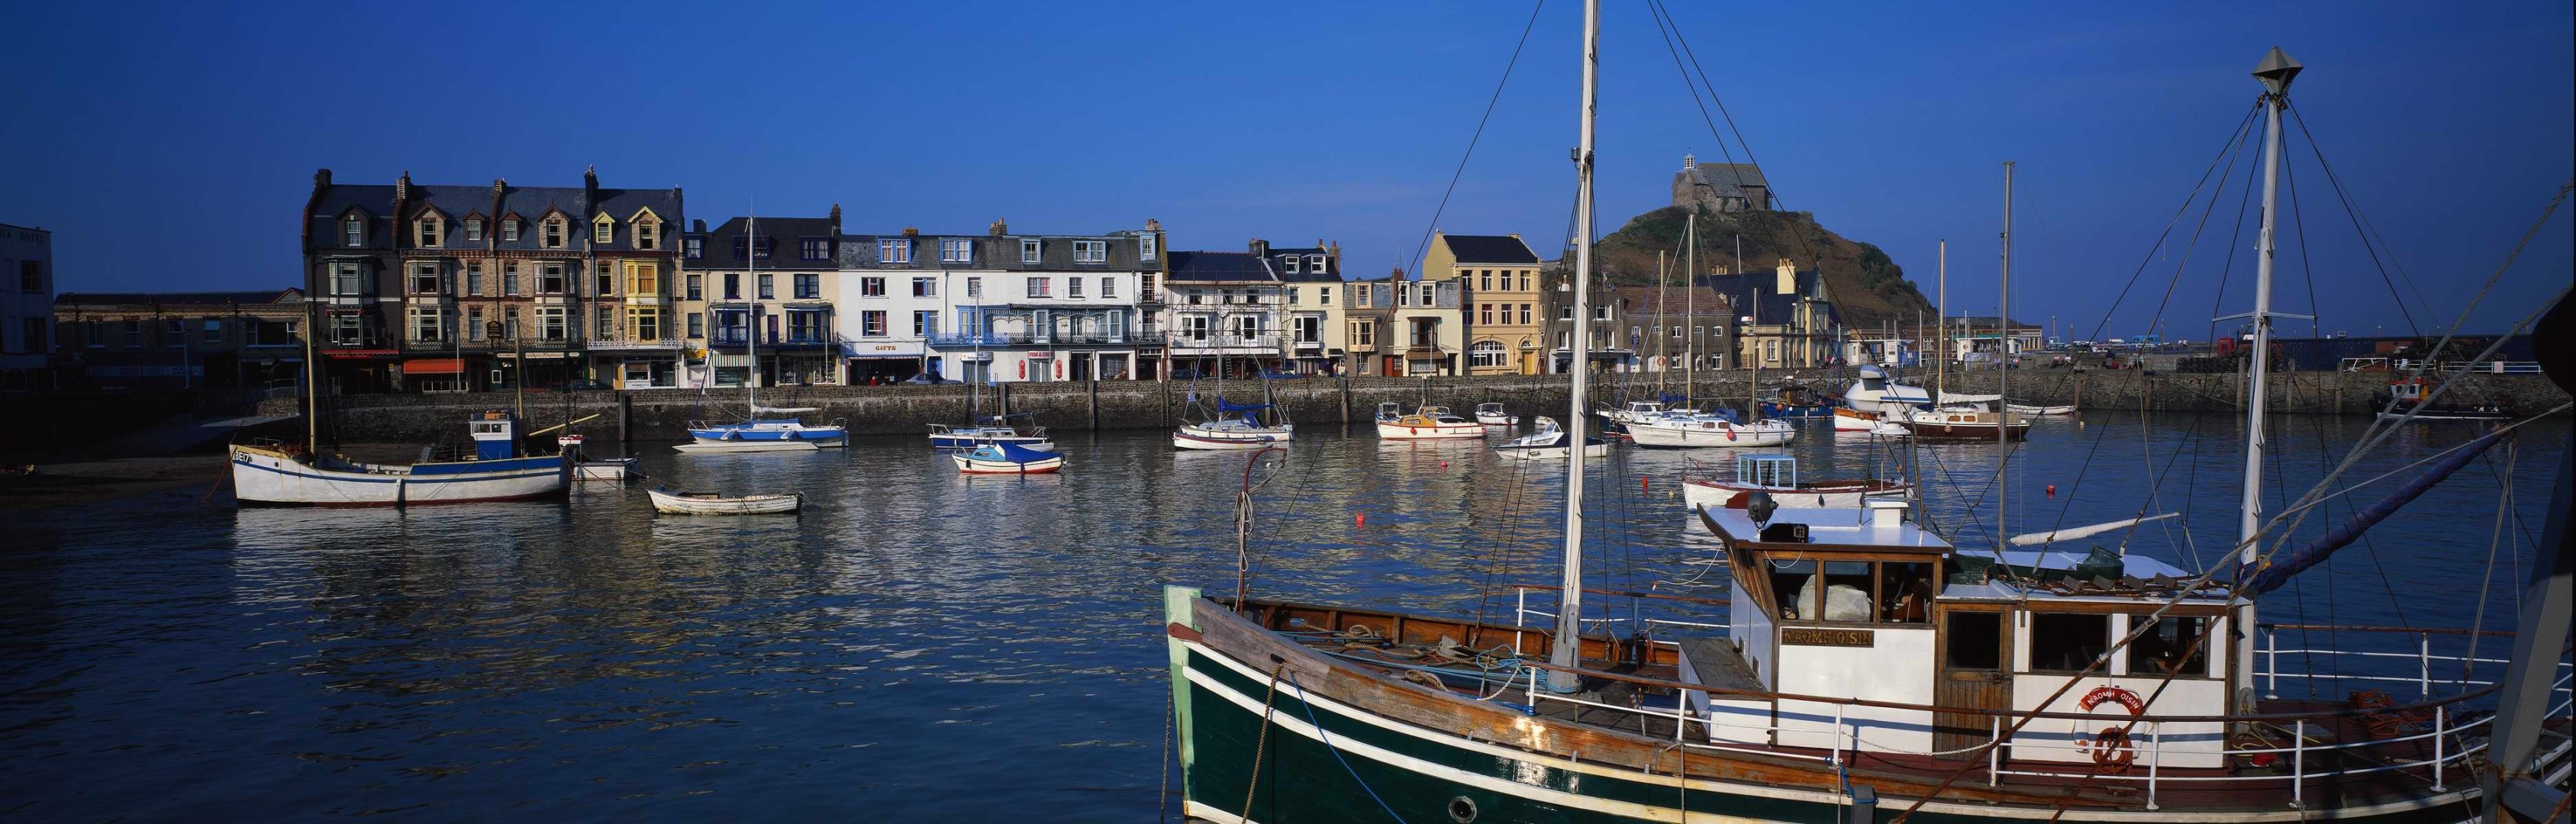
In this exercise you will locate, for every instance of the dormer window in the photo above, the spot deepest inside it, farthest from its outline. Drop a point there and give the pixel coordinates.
(646, 235)
(474, 229)
(695, 248)
(1145, 246)
(603, 230)
(1288, 263)
(956, 250)
(1031, 250)
(353, 232)
(510, 229)
(426, 232)
(551, 233)
(1091, 251)
(1315, 264)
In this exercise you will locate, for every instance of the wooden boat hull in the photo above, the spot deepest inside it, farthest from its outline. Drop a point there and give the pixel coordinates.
(266, 477)
(1963, 431)
(1821, 493)
(1334, 742)
(1219, 438)
(1391, 431)
(678, 503)
(1708, 434)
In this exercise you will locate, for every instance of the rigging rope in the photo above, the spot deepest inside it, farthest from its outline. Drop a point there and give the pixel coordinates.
(1308, 701)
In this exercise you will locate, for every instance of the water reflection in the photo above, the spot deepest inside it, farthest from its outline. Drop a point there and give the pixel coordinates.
(879, 654)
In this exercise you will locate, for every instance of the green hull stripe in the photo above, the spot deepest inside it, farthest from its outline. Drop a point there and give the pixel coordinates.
(1301, 781)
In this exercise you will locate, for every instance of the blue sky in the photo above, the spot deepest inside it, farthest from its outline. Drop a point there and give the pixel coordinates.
(169, 145)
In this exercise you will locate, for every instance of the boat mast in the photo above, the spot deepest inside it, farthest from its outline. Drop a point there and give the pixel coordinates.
(1941, 349)
(312, 377)
(1690, 299)
(1664, 339)
(1569, 612)
(2275, 71)
(751, 319)
(2003, 374)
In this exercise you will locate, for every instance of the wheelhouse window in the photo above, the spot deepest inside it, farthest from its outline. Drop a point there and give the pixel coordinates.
(2173, 645)
(2067, 642)
(1849, 591)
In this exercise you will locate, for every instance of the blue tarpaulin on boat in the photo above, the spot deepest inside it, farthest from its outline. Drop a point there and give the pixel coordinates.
(2315, 552)
(1222, 405)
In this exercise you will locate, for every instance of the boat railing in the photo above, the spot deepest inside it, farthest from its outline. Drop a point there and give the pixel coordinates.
(2457, 735)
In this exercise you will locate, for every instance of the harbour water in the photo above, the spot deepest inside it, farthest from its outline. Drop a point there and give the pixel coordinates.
(921, 646)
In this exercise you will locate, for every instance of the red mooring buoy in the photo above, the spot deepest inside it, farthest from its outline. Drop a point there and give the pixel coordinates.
(1359, 521)
(2052, 490)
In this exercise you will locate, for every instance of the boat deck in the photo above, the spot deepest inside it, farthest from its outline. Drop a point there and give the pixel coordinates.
(1632, 689)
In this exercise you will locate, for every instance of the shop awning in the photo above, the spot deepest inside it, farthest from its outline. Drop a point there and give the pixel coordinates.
(731, 361)
(433, 366)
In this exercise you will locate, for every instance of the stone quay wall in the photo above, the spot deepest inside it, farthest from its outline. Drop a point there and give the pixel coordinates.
(908, 410)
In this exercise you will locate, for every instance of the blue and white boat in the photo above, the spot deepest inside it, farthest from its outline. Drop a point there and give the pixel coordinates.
(772, 429)
(287, 475)
(1007, 459)
(1243, 431)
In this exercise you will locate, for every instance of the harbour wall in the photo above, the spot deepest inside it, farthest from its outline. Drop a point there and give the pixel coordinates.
(908, 410)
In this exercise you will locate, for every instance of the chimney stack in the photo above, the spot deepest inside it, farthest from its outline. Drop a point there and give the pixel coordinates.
(321, 178)
(911, 231)
(1000, 227)
(1260, 248)
(402, 187)
(590, 178)
(1788, 273)
(698, 225)
(498, 185)
(1689, 162)
(836, 218)
(1398, 274)
(1152, 225)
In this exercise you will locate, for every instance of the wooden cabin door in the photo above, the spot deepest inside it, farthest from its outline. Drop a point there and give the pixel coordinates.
(1974, 673)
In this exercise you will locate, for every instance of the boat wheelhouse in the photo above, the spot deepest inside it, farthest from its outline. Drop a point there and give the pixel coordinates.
(1018, 428)
(2405, 398)
(1492, 414)
(1550, 442)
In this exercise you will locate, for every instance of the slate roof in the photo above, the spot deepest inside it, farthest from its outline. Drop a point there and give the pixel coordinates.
(1221, 267)
(1722, 178)
(1304, 273)
(1503, 249)
(991, 252)
(254, 298)
(529, 203)
(786, 236)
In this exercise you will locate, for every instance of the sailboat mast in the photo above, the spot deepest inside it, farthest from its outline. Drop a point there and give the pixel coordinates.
(2003, 375)
(1690, 298)
(1569, 612)
(1941, 349)
(2275, 71)
(1663, 338)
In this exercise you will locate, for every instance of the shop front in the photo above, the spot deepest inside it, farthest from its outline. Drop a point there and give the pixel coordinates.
(876, 363)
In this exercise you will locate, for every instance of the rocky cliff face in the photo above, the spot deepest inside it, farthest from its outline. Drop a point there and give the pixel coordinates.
(1867, 287)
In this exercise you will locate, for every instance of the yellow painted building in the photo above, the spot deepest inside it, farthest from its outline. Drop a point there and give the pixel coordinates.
(1501, 304)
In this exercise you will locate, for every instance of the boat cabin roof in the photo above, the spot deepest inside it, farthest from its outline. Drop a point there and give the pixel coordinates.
(1829, 530)
(2099, 577)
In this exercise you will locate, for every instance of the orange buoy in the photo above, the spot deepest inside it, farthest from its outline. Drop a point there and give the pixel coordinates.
(1444, 464)
(1359, 521)
(2052, 490)
(1644, 483)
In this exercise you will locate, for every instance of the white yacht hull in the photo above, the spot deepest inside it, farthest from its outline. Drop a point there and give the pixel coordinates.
(1711, 433)
(263, 476)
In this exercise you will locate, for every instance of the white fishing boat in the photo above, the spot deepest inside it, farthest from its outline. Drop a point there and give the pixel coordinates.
(289, 475)
(1549, 442)
(1874, 391)
(1847, 419)
(1699, 431)
(1492, 414)
(1007, 459)
(1019, 428)
(1426, 423)
(709, 503)
(1778, 476)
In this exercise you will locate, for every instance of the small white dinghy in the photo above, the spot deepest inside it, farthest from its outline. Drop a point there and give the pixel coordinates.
(1549, 442)
(1491, 414)
(2035, 411)
(709, 503)
(730, 446)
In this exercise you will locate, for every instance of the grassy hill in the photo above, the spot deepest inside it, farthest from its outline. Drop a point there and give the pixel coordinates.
(1867, 287)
